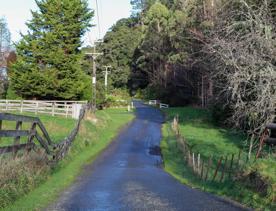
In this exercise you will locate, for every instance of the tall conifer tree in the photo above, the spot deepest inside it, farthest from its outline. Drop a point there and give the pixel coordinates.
(49, 56)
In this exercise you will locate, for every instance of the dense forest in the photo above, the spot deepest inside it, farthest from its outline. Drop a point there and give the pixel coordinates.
(213, 53)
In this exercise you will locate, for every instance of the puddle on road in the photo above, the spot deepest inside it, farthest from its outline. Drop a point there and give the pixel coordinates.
(155, 150)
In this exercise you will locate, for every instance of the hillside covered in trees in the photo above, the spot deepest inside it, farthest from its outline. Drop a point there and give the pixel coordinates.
(212, 53)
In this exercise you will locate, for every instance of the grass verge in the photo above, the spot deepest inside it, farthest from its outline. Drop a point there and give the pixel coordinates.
(91, 140)
(207, 139)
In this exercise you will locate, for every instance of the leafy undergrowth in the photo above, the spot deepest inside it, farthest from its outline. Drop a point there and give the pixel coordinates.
(207, 139)
(32, 184)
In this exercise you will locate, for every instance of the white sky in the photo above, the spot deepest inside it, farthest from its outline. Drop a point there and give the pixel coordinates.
(17, 12)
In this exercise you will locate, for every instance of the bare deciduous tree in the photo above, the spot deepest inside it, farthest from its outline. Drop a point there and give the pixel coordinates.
(243, 49)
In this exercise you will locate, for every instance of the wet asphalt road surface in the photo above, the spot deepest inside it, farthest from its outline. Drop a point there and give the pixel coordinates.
(128, 177)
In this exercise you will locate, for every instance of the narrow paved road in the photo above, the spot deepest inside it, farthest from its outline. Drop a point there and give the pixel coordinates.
(127, 177)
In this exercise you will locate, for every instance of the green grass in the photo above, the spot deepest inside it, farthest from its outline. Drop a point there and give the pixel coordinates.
(196, 127)
(92, 139)
(207, 139)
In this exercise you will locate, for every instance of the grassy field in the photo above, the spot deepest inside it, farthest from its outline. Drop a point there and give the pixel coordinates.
(205, 138)
(42, 188)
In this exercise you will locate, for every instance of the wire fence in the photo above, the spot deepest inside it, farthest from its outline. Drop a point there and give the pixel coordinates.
(213, 168)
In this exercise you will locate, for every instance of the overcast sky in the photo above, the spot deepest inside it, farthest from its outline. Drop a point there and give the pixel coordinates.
(17, 12)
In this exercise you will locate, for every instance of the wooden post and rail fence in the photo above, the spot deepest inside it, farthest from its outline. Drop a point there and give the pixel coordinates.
(36, 135)
(34, 132)
(54, 108)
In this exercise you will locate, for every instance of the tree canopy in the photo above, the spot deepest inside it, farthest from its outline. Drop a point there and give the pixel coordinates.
(212, 52)
(49, 57)
(118, 48)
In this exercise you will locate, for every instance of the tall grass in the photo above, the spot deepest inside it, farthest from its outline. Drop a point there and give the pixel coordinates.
(21, 174)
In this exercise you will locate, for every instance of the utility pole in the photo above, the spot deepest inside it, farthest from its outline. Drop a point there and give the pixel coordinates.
(105, 78)
(94, 56)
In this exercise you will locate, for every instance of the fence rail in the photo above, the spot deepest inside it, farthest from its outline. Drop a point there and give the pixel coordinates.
(163, 105)
(158, 103)
(57, 151)
(61, 108)
(31, 134)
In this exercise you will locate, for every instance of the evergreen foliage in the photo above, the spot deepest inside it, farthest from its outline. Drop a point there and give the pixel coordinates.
(49, 57)
(118, 48)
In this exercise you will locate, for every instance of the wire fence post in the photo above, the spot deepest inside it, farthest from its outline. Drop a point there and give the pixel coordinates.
(194, 162)
(198, 163)
(208, 167)
(231, 166)
(224, 168)
(218, 166)
(202, 169)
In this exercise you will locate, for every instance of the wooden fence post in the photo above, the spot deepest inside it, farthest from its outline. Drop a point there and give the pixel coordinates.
(224, 168)
(53, 109)
(36, 108)
(18, 127)
(17, 138)
(202, 169)
(216, 172)
(7, 105)
(194, 162)
(198, 163)
(32, 132)
(208, 167)
(183, 146)
(21, 106)
(231, 166)
(67, 110)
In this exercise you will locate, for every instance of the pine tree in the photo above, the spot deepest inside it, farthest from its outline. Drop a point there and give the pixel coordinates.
(49, 56)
